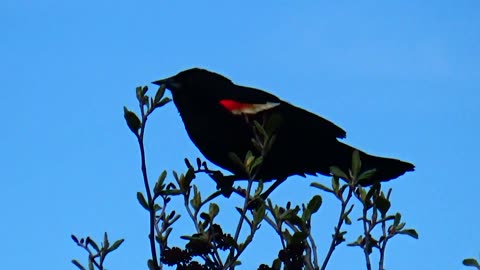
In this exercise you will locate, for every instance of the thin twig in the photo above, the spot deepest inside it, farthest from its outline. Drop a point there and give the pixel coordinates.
(151, 209)
(366, 246)
(383, 246)
(336, 234)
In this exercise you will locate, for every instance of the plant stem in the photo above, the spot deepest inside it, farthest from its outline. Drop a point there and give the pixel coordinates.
(336, 234)
(366, 246)
(151, 203)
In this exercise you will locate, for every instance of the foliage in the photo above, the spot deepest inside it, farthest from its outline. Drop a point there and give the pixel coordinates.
(209, 246)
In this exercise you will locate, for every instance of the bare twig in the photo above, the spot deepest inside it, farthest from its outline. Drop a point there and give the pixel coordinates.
(151, 209)
(336, 234)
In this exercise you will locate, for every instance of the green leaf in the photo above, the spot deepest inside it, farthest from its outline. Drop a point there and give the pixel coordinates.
(162, 177)
(189, 176)
(259, 189)
(162, 102)
(397, 219)
(160, 93)
(259, 213)
(314, 204)
(471, 262)
(257, 162)
(347, 219)
(366, 175)
(356, 163)
(277, 264)
(236, 159)
(410, 232)
(75, 239)
(206, 217)
(105, 241)
(133, 122)
(383, 205)
(322, 187)
(159, 185)
(142, 201)
(115, 245)
(213, 210)
(259, 129)
(299, 237)
(172, 192)
(151, 265)
(335, 171)
(92, 243)
(140, 93)
(77, 264)
(196, 200)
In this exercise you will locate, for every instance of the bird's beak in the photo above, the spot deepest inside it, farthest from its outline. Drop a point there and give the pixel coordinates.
(170, 83)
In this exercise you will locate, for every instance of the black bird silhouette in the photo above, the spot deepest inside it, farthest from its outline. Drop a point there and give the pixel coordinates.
(214, 111)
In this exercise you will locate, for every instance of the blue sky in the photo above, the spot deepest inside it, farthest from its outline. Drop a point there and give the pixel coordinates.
(402, 78)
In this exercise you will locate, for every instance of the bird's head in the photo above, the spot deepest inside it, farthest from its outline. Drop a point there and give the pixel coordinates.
(195, 82)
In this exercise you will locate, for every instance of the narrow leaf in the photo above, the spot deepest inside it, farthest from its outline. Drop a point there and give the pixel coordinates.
(160, 93)
(471, 262)
(116, 245)
(356, 163)
(335, 171)
(142, 201)
(213, 210)
(133, 122)
(410, 232)
(77, 264)
(314, 204)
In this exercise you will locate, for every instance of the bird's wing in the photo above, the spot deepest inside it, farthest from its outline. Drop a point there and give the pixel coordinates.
(247, 100)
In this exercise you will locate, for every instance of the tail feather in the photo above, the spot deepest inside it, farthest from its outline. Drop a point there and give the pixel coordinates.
(386, 168)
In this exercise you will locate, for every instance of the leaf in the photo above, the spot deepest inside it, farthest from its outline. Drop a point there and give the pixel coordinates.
(196, 201)
(163, 102)
(259, 129)
(322, 187)
(189, 176)
(116, 245)
(133, 122)
(410, 232)
(383, 205)
(314, 204)
(75, 239)
(160, 93)
(335, 171)
(235, 159)
(159, 186)
(366, 175)
(299, 237)
(92, 243)
(142, 201)
(105, 241)
(77, 264)
(471, 262)
(397, 219)
(356, 163)
(139, 93)
(257, 162)
(259, 213)
(206, 217)
(213, 210)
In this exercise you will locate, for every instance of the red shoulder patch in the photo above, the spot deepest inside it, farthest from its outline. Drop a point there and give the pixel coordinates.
(236, 107)
(233, 105)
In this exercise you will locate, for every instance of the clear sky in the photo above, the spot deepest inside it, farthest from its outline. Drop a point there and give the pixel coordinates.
(401, 77)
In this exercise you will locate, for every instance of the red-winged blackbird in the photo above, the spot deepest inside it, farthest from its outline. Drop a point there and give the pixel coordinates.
(218, 118)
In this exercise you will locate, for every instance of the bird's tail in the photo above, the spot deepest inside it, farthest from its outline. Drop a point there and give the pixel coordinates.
(386, 168)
